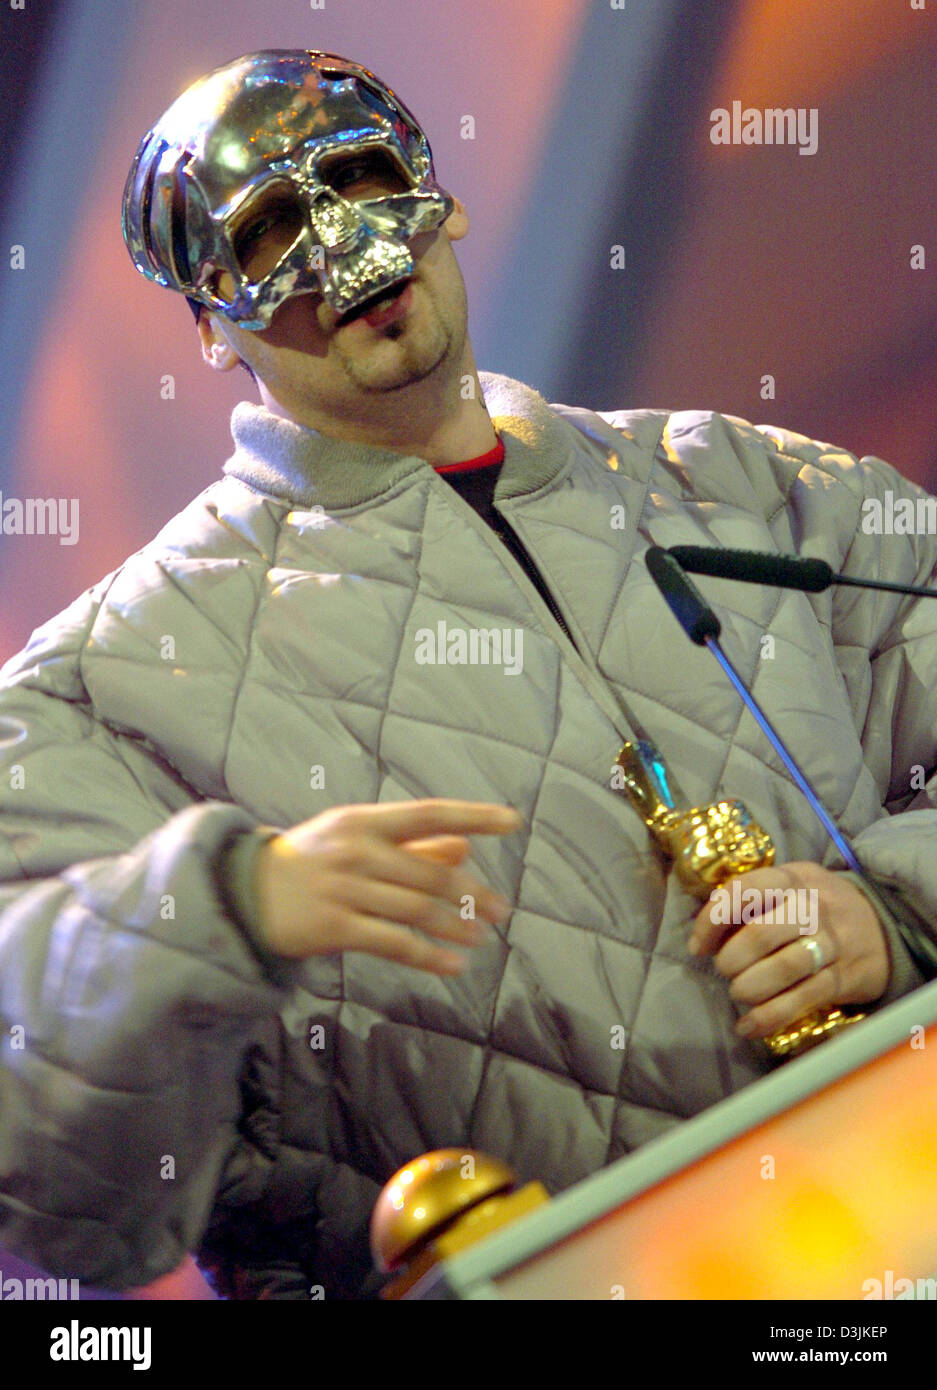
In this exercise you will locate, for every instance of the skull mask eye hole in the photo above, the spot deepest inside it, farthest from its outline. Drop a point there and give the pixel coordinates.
(267, 230)
(365, 173)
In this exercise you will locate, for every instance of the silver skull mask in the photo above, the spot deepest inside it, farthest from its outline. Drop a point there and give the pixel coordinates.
(235, 197)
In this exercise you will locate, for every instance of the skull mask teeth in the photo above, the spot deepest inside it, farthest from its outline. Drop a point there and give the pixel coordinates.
(277, 135)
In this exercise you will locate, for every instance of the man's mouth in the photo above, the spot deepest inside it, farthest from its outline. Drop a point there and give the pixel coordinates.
(381, 300)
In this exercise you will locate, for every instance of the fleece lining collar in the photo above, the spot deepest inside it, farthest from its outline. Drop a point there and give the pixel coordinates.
(278, 457)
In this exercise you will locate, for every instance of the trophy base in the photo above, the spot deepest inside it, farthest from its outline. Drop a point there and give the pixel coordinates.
(807, 1032)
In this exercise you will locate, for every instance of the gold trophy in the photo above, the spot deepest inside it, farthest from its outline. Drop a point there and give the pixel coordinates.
(709, 844)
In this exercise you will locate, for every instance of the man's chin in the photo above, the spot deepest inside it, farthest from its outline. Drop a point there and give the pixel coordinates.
(400, 356)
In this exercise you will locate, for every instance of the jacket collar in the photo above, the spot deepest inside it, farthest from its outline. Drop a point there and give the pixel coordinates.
(306, 468)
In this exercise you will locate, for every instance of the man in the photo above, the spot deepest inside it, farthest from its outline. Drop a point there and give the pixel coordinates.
(242, 770)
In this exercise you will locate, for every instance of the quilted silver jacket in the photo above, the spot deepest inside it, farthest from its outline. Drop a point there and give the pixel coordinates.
(167, 1086)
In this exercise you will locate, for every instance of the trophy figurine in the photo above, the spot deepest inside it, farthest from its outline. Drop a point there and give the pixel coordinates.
(707, 845)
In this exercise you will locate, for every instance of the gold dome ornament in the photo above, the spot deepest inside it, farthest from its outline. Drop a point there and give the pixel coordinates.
(439, 1204)
(707, 845)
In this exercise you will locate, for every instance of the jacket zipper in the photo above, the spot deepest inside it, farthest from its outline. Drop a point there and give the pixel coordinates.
(592, 679)
(508, 536)
(551, 604)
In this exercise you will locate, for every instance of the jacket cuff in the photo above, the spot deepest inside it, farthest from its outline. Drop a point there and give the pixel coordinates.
(233, 868)
(905, 975)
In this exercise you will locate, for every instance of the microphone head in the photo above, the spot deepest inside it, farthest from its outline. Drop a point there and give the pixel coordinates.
(686, 603)
(755, 567)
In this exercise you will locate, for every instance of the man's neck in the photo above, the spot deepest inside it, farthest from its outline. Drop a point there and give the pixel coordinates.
(441, 432)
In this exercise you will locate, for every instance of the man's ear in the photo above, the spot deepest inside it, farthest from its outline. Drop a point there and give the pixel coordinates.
(457, 223)
(216, 350)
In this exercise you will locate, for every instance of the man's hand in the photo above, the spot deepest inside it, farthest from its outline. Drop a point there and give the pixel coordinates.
(774, 974)
(346, 879)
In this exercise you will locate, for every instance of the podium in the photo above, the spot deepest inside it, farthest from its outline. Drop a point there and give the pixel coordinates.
(818, 1181)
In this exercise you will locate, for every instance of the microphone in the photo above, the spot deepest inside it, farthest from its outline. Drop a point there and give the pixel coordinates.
(780, 571)
(687, 604)
(701, 625)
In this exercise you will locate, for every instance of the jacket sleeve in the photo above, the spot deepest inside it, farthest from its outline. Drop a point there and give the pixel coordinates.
(128, 993)
(869, 522)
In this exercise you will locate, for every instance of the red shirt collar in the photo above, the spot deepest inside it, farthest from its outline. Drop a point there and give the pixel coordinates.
(493, 456)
